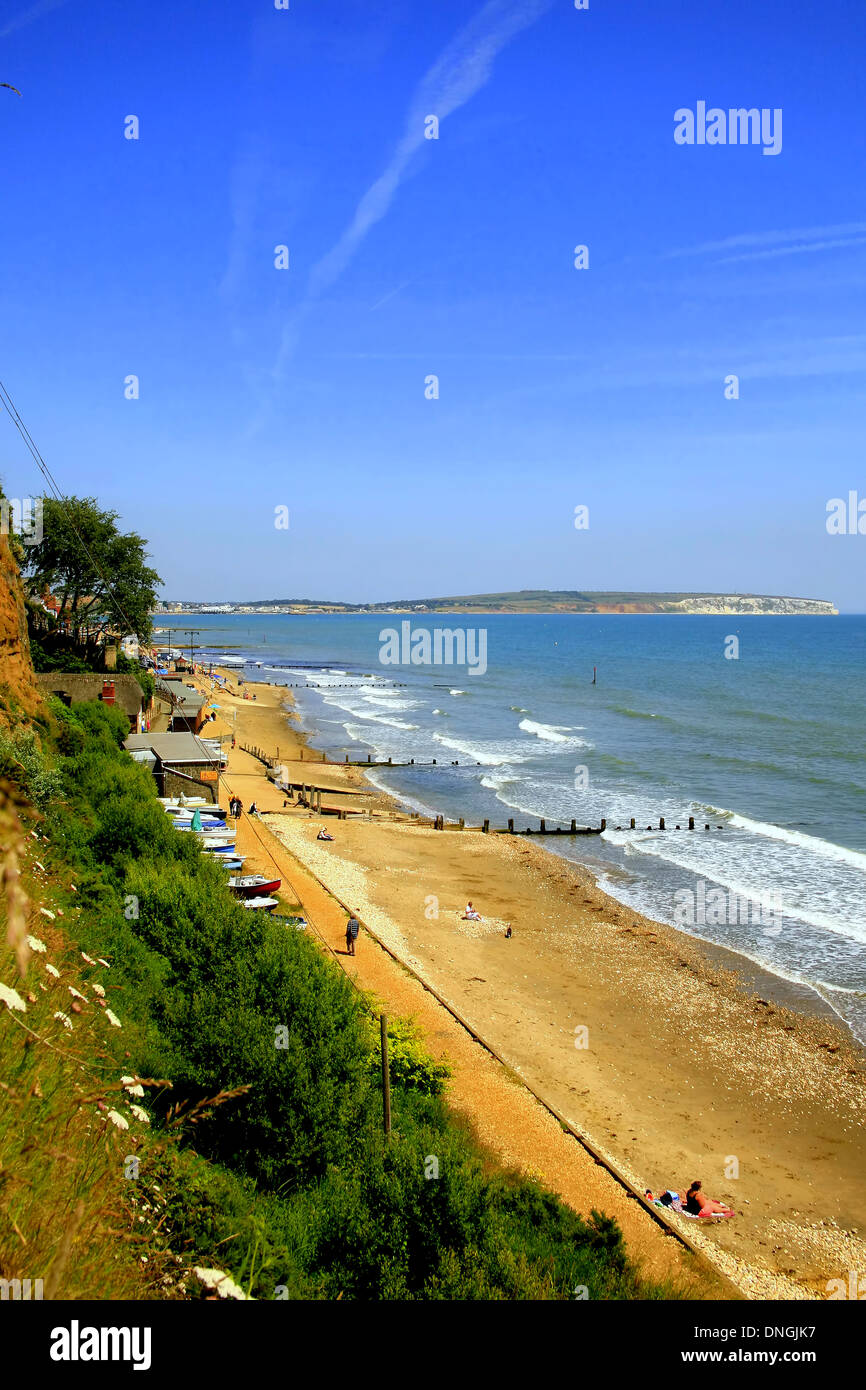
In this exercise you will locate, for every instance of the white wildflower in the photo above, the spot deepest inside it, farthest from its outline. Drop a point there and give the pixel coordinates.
(221, 1283)
(103, 962)
(52, 970)
(130, 1084)
(76, 993)
(97, 989)
(46, 913)
(39, 866)
(113, 1019)
(35, 944)
(89, 959)
(140, 1114)
(64, 1019)
(117, 1119)
(12, 999)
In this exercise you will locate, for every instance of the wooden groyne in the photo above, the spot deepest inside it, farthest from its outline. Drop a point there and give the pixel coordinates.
(311, 796)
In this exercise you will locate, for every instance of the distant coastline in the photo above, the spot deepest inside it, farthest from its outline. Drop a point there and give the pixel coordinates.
(533, 601)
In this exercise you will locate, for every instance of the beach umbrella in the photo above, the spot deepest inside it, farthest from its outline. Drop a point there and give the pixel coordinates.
(195, 824)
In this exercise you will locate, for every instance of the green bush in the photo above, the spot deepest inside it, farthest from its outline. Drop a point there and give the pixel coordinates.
(23, 762)
(410, 1065)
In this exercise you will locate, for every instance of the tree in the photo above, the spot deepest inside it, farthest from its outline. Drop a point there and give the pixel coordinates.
(96, 572)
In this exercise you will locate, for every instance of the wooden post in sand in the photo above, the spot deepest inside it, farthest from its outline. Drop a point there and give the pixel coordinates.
(386, 1080)
(462, 823)
(543, 828)
(511, 825)
(631, 824)
(691, 822)
(661, 822)
(574, 827)
(485, 827)
(603, 825)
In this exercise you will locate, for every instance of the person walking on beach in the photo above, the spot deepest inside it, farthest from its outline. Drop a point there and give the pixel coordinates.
(353, 926)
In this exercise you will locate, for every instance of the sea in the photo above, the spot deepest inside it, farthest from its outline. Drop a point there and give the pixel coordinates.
(617, 716)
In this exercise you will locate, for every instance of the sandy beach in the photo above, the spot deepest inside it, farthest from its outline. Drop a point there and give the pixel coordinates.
(675, 1063)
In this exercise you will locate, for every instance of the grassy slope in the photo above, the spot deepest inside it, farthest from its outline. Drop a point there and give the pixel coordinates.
(266, 1161)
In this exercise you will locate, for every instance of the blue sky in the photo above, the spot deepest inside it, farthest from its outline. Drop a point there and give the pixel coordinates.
(409, 257)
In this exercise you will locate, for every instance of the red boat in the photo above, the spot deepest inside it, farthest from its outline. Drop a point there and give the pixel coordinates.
(254, 885)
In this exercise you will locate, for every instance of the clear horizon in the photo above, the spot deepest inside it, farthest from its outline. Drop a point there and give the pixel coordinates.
(286, 435)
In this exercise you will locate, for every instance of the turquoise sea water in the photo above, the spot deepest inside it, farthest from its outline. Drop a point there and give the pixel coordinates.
(770, 746)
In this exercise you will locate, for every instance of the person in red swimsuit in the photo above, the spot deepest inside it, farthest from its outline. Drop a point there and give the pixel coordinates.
(697, 1204)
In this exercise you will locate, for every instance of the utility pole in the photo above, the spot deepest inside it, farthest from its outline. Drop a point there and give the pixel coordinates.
(386, 1079)
(192, 632)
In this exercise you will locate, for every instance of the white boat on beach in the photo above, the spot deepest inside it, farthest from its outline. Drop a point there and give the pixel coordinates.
(217, 831)
(263, 904)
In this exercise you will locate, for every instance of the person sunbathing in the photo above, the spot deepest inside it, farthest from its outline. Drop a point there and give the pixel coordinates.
(323, 835)
(470, 915)
(698, 1204)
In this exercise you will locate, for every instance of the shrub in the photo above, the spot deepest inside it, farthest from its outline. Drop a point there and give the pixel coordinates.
(23, 762)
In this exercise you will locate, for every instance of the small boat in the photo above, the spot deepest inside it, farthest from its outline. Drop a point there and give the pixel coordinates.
(184, 818)
(251, 885)
(207, 827)
(184, 822)
(182, 801)
(219, 849)
(265, 904)
(299, 923)
(232, 863)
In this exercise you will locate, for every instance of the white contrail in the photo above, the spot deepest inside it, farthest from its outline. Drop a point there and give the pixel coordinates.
(29, 16)
(773, 239)
(461, 70)
(796, 250)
